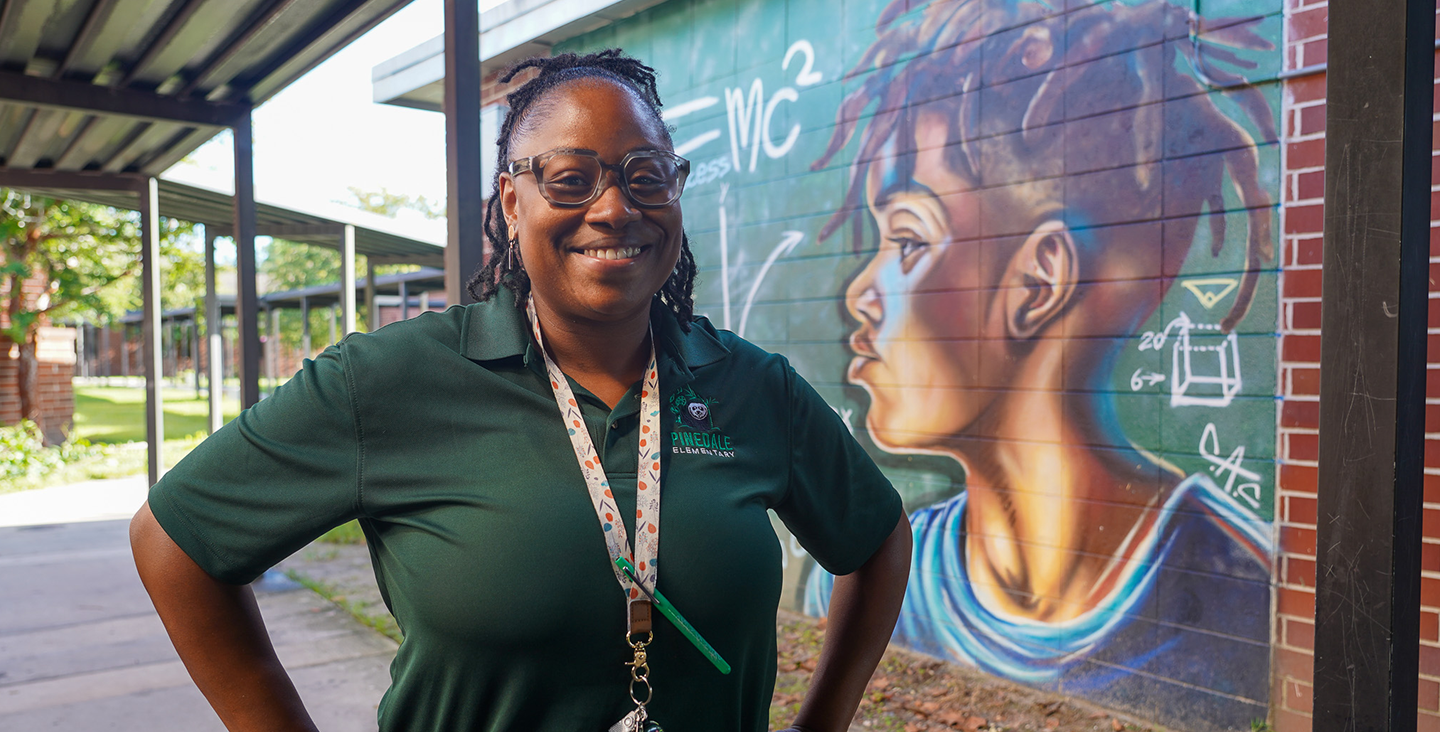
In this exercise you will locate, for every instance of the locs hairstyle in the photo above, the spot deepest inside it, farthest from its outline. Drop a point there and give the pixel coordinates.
(1097, 75)
(530, 101)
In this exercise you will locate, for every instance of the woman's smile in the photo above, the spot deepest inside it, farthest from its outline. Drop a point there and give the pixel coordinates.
(609, 253)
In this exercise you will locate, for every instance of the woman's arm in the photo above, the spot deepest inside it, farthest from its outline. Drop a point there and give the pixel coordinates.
(219, 634)
(863, 609)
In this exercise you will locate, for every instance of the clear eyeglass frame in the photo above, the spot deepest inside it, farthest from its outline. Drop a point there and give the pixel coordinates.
(535, 164)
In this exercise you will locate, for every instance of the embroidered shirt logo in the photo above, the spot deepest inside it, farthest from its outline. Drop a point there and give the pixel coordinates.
(698, 411)
(695, 432)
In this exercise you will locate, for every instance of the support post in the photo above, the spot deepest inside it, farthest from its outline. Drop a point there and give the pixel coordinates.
(1372, 357)
(372, 310)
(150, 296)
(404, 301)
(305, 327)
(80, 361)
(174, 352)
(247, 303)
(195, 350)
(464, 184)
(347, 279)
(214, 338)
(272, 348)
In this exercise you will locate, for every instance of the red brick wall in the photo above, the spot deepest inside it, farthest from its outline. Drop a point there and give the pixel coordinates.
(1306, 40)
(56, 353)
(1296, 445)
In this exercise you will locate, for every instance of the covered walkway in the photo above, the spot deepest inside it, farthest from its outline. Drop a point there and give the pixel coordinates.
(97, 99)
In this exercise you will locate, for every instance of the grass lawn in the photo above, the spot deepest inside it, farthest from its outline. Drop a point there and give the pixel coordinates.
(114, 419)
(117, 414)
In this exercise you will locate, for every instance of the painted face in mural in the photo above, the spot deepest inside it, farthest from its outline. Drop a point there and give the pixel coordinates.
(1037, 175)
(1019, 250)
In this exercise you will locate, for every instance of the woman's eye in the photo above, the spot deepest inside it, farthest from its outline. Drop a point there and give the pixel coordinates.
(569, 180)
(908, 245)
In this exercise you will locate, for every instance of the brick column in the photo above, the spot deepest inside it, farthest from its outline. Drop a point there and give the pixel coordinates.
(1303, 208)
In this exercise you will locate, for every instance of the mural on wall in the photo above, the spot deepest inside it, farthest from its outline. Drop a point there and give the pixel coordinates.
(1025, 249)
(1062, 561)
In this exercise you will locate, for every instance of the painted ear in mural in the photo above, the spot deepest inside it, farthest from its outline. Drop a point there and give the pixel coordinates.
(1040, 280)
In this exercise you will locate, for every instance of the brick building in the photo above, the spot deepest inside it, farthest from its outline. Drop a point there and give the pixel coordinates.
(55, 352)
(886, 191)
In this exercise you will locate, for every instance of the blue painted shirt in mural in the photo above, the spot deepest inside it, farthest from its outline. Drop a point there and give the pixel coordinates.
(1192, 607)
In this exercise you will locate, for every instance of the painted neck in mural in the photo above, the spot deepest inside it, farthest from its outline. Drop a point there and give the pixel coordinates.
(1050, 516)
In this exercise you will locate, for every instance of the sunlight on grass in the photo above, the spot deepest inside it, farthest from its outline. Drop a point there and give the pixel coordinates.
(117, 414)
(114, 417)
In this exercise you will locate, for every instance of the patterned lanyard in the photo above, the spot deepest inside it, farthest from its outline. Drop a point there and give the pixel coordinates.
(647, 487)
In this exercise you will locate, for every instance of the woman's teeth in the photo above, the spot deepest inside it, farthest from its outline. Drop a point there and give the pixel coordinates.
(619, 253)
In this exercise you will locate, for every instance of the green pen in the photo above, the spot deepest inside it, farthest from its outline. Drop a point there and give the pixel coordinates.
(675, 617)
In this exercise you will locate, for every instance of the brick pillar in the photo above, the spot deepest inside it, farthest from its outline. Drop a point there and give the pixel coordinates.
(1303, 209)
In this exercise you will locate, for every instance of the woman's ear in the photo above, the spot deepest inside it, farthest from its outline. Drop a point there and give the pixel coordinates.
(508, 204)
(1040, 280)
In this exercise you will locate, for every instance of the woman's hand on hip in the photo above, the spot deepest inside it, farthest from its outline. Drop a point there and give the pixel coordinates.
(863, 608)
(217, 630)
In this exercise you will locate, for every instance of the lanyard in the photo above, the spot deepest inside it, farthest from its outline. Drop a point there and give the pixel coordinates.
(647, 469)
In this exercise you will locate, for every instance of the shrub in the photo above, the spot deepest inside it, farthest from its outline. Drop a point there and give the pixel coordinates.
(24, 456)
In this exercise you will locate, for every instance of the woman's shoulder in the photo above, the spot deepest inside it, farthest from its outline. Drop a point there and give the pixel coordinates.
(406, 343)
(739, 351)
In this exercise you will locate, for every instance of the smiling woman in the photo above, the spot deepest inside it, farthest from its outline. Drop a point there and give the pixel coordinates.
(497, 555)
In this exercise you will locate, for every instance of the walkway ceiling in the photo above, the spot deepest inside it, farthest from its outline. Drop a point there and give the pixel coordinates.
(216, 211)
(132, 86)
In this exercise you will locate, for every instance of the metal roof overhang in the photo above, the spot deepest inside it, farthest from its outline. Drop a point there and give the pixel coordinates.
(427, 279)
(510, 32)
(217, 210)
(132, 86)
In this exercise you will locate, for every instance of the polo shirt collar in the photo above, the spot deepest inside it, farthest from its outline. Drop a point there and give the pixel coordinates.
(494, 329)
(497, 329)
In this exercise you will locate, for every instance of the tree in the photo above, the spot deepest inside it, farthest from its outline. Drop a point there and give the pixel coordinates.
(389, 204)
(75, 251)
(85, 259)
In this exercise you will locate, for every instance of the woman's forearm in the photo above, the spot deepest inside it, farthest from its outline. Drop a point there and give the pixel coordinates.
(219, 634)
(863, 607)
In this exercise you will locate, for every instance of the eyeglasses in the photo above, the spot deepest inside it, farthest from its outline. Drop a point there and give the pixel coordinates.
(570, 178)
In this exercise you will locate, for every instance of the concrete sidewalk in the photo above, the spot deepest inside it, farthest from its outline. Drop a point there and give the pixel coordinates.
(82, 649)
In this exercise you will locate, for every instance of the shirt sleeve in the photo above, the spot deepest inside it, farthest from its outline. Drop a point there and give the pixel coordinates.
(271, 480)
(837, 504)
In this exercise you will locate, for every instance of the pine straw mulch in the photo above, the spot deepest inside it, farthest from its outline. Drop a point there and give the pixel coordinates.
(911, 692)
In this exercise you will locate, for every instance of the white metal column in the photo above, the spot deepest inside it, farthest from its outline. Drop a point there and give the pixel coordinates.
(347, 280)
(150, 290)
(214, 338)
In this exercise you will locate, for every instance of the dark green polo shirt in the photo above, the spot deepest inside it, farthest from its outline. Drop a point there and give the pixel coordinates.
(441, 435)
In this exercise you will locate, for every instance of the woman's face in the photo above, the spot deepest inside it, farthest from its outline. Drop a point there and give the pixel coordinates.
(603, 261)
(925, 343)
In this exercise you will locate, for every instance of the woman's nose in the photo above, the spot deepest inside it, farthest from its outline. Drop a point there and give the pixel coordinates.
(862, 298)
(612, 208)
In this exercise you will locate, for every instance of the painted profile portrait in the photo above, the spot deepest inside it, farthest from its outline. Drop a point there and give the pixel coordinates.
(1036, 175)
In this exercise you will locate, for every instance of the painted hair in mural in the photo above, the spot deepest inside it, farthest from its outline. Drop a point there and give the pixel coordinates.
(1036, 179)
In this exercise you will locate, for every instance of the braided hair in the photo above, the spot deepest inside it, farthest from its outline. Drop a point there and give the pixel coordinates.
(934, 62)
(527, 103)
